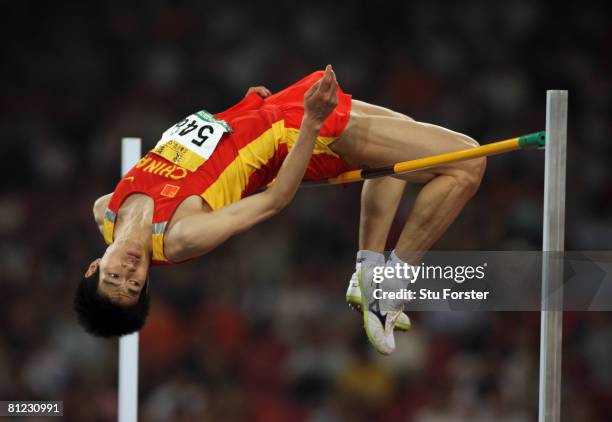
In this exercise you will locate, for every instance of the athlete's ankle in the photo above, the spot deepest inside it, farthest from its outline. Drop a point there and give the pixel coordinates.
(401, 279)
(395, 259)
(369, 258)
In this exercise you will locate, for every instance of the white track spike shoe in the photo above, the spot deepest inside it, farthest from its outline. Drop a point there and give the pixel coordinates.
(379, 317)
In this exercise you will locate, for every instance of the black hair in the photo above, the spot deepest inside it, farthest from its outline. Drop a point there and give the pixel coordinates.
(100, 317)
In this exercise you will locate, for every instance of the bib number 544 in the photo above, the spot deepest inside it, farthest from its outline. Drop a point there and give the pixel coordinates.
(188, 125)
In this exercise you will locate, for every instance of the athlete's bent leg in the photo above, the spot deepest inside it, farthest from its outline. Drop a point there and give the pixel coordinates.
(375, 140)
(436, 207)
(380, 199)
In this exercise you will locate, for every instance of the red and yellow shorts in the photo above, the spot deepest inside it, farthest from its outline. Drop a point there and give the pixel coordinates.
(264, 132)
(324, 162)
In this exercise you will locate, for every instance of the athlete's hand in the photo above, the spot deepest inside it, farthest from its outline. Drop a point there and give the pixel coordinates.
(322, 97)
(262, 91)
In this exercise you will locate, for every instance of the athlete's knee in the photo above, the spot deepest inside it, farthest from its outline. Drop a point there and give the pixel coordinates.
(477, 165)
(475, 169)
(468, 174)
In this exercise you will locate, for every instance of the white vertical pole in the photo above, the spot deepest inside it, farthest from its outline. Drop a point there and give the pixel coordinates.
(551, 317)
(128, 345)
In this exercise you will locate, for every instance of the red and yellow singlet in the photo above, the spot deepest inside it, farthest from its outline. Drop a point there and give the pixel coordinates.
(228, 156)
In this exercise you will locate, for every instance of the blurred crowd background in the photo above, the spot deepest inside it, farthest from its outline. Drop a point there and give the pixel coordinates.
(258, 330)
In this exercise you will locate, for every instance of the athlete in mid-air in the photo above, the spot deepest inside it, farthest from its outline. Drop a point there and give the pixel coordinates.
(203, 181)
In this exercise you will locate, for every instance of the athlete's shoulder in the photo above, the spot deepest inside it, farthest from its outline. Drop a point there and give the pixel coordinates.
(99, 208)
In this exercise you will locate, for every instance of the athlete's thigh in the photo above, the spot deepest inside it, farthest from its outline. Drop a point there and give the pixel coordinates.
(375, 140)
(366, 109)
(362, 108)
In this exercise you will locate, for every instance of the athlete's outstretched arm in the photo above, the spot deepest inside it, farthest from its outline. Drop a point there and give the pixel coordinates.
(197, 234)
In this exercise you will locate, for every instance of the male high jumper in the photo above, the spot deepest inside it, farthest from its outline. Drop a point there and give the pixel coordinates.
(202, 183)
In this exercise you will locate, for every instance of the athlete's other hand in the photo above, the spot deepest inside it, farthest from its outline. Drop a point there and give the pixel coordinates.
(322, 97)
(262, 91)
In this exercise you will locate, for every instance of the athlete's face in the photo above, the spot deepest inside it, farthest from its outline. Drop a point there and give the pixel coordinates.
(123, 272)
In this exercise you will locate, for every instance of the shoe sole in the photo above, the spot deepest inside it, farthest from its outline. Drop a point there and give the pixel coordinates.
(365, 318)
(366, 324)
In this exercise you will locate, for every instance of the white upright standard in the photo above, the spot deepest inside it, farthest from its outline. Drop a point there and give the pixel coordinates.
(551, 318)
(128, 345)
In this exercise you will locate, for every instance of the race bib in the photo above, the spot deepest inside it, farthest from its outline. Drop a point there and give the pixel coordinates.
(191, 142)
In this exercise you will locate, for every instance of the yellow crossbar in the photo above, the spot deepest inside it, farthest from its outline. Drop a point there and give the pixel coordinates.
(500, 147)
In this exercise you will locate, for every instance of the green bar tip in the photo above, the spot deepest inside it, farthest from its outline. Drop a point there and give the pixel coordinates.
(537, 140)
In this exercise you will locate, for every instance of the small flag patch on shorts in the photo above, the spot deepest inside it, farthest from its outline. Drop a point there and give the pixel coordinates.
(170, 190)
